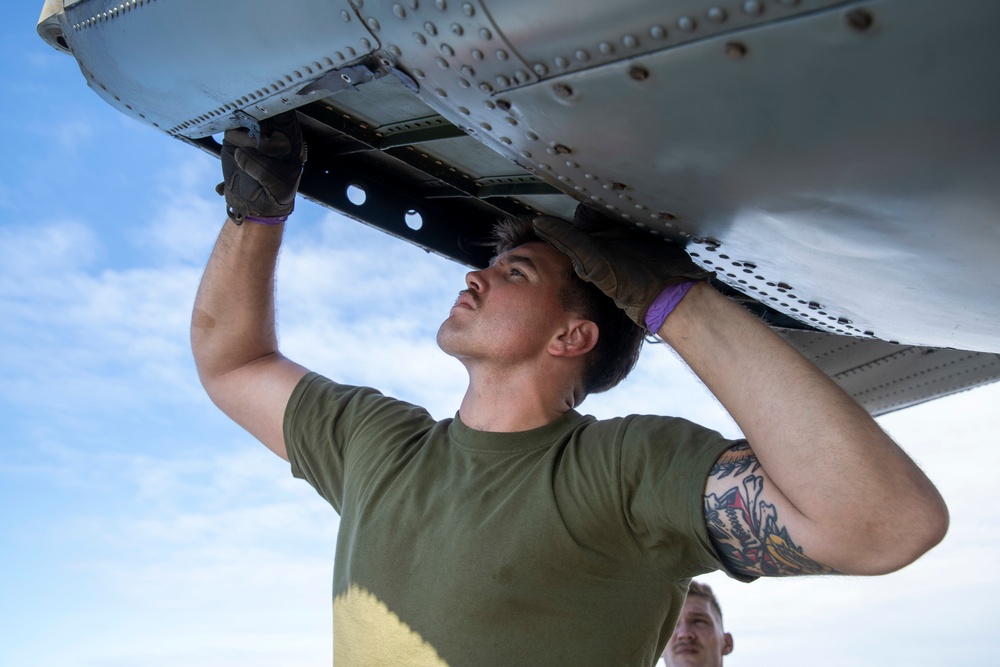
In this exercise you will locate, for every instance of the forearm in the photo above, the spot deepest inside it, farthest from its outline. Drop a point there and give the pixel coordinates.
(233, 322)
(823, 452)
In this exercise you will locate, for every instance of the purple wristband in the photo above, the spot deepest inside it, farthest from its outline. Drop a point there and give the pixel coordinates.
(664, 304)
(267, 221)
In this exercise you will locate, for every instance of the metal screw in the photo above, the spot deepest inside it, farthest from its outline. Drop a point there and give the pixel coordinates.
(860, 19)
(736, 50)
(638, 73)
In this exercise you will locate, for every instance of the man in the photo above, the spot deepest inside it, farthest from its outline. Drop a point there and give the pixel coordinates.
(698, 639)
(522, 532)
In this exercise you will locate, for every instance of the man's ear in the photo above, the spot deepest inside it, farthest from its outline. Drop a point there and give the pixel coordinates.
(727, 644)
(578, 338)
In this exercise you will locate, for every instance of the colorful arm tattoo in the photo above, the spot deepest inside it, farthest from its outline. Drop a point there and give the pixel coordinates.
(745, 529)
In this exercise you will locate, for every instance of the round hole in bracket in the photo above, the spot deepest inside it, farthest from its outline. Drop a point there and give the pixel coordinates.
(356, 195)
(413, 220)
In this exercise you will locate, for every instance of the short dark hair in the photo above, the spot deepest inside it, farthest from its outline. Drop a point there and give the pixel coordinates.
(619, 338)
(705, 591)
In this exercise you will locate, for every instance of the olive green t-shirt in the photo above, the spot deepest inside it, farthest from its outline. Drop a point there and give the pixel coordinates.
(569, 544)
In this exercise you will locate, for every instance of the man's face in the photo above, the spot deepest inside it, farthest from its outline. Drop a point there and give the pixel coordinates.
(698, 639)
(509, 310)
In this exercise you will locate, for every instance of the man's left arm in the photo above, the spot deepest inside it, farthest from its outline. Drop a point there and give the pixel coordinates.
(818, 487)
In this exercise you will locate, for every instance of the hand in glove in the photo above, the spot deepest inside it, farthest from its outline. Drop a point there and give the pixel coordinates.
(261, 174)
(646, 277)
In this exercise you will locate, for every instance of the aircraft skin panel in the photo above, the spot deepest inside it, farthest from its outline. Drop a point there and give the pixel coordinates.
(885, 377)
(835, 162)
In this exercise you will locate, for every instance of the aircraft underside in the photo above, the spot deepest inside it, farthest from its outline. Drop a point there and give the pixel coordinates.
(837, 164)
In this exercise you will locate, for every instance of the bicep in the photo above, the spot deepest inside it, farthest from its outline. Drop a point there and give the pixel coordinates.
(754, 528)
(255, 397)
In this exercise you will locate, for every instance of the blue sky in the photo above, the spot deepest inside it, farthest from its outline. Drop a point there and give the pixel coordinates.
(140, 527)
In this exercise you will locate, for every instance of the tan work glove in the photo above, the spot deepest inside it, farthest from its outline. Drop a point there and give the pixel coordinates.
(635, 272)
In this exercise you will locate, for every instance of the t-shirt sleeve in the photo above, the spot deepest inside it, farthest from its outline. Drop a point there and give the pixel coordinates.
(331, 428)
(665, 463)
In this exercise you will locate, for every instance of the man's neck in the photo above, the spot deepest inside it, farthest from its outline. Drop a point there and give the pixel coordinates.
(507, 402)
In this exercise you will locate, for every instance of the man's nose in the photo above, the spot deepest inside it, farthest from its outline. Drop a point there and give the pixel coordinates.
(683, 630)
(475, 281)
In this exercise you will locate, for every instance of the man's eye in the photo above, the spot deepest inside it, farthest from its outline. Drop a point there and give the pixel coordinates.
(516, 272)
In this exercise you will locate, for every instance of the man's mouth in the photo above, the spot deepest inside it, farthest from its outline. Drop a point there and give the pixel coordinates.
(466, 299)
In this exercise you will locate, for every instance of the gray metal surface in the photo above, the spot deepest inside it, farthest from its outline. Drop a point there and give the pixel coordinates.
(884, 377)
(836, 163)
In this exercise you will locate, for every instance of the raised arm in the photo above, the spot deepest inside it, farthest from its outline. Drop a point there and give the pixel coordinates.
(233, 325)
(819, 487)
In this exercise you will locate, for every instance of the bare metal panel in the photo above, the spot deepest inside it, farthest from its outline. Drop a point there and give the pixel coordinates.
(835, 162)
(885, 377)
(185, 66)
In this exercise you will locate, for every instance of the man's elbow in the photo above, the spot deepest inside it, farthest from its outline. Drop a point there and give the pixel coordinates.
(901, 544)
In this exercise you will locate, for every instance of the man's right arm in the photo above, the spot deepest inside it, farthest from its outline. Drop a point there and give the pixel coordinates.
(232, 327)
(233, 333)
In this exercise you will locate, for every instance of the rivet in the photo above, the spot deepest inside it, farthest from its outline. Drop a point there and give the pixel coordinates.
(486, 88)
(542, 165)
(469, 9)
(571, 164)
(430, 28)
(442, 63)
(630, 41)
(506, 140)
(468, 71)
(526, 155)
(562, 90)
(657, 32)
(486, 126)
(503, 105)
(716, 14)
(457, 29)
(501, 54)
(464, 111)
(541, 70)
(590, 177)
(477, 54)
(395, 51)
(447, 50)
(860, 19)
(346, 16)
(736, 50)
(413, 3)
(350, 51)
(464, 83)
(561, 62)
(485, 34)
(440, 92)
(503, 81)
(753, 8)
(419, 73)
(606, 48)
(663, 215)
(686, 23)
(441, 4)
(638, 73)
(582, 56)
(531, 136)
(511, 121)
(399, 11)
(490, 104)
(420, 39)
(522, 76)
